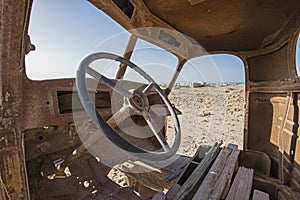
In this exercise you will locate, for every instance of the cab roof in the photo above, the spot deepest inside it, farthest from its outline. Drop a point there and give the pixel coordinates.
(217, 25)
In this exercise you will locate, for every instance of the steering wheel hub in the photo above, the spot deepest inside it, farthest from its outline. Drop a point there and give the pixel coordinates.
(139, 101)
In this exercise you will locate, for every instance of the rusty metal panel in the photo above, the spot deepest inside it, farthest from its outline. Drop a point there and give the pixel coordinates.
(12, 51)
(68, 101)
(46, 140)
(270, 67)
(260, 121)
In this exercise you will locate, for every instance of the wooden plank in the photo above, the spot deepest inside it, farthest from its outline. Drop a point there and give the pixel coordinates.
(176, 168)
(242, 185)
(288, 194)
(194, 180)
(173, 192)
(259, 195)
(159, 196)
(208, 185)
(222, 185)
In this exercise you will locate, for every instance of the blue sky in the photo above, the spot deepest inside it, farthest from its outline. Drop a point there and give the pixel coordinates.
(65, 31)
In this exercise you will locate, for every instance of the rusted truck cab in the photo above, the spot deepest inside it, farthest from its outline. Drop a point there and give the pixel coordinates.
(263, 34)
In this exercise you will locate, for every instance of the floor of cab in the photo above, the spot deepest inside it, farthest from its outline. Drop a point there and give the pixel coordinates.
(88, 180)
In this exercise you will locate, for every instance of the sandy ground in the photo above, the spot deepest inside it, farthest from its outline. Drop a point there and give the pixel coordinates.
(209, 114)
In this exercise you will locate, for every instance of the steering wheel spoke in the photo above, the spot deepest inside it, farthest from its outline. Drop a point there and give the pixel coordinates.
(118, 117)
(152, 125)
(148, 88)
(119, 89)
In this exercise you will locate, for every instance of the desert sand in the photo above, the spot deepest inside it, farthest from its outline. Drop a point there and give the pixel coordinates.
(209, 114)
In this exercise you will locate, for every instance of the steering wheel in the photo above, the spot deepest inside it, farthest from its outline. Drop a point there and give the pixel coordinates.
(135, 102)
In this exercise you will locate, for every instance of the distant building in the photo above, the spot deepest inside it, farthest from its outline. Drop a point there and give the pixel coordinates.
(185, 85)
(189, 85)
(197, 84)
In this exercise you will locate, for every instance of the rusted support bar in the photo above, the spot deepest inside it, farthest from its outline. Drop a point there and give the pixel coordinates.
(13, 32)
(181, 62)
(127, 55)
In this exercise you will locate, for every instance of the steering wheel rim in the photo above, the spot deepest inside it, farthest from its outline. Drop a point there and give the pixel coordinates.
(102, 125)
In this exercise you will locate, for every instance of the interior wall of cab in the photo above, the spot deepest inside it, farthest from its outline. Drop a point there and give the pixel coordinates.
(273, 112)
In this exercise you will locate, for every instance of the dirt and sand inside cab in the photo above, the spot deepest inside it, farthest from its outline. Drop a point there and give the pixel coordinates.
(43, 155)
